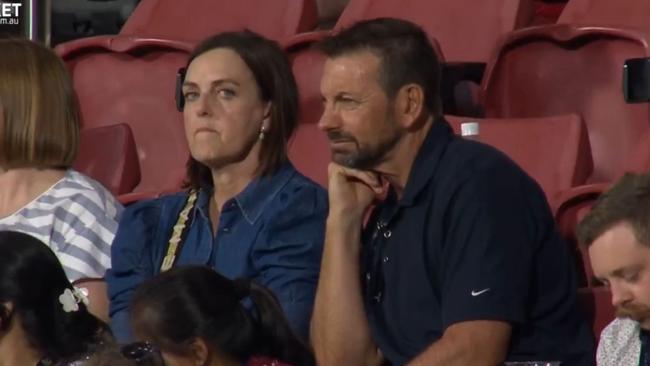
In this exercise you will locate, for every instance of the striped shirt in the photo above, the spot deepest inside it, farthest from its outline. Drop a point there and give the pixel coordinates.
(77, 217)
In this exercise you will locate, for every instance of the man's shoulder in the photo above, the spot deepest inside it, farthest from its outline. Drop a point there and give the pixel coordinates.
(620, 331)
(470, 158)
(619, 343)
(471, 166)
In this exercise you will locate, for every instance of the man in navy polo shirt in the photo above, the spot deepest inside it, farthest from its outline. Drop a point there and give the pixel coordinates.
(461, 264)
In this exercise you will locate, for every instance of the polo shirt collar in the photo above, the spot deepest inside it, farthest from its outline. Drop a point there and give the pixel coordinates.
(427, 159)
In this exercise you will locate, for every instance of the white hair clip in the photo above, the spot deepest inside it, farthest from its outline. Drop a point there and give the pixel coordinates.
(70, 299)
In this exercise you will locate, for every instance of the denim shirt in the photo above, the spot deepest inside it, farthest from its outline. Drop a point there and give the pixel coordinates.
(271, 232)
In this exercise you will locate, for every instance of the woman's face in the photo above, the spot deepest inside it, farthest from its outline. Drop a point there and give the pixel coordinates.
(223, 112)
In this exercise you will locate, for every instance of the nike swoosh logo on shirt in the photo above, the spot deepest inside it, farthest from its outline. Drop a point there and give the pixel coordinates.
(477, 293)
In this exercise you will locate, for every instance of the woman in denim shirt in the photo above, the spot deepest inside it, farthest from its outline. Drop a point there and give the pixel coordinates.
(247, 211)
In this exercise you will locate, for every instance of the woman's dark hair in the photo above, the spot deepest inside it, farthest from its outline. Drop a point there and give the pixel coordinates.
(188, 302)
(272, 72)
(32, 279)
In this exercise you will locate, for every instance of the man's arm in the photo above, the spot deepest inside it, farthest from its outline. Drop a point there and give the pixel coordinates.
(480, 342)
(339, 330)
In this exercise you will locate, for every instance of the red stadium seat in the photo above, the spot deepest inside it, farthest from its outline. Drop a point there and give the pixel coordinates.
(131, 80)
(309, 151)
(547, 12)
(197, 19)
(597, 306)
(466, 48)
(619, 13)
(553, 150)
(560, 69)
(467, 30)
(307, 65)
(639, 161)
(576, 203)
(108, 155)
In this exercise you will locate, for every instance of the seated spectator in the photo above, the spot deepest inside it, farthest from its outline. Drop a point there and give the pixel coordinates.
(195, 316)
(39, 136)
(461, 264)
(616, 233)
(43, 318)
(247, 212)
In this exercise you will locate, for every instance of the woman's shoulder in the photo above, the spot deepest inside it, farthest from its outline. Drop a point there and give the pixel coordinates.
(299, 205)
(78, 194)
(75, 185)
(299, 179)
(300, 188)
(299, 198)
(145, 224)
(166, 205)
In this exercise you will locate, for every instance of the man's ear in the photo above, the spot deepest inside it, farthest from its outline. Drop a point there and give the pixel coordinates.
(409, 105)
(199, 352)
(5, 315)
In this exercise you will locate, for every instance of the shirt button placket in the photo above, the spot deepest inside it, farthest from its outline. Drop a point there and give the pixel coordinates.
(386, 233)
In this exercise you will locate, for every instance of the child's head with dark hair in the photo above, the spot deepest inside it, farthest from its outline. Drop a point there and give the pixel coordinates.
(195, 313)
(38, 303)
(135, 354)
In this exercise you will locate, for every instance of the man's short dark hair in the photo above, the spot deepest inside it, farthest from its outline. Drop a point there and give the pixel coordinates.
(406, 54)
(627, 202)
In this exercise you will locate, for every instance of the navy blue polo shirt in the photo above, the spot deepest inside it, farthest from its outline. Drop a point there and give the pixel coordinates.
(472, 238)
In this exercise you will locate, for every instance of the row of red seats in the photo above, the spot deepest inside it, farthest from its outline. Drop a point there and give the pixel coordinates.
(130, 79)
(552, 94)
